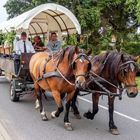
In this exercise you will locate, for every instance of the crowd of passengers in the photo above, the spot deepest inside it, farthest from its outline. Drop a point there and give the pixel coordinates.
(24, 45)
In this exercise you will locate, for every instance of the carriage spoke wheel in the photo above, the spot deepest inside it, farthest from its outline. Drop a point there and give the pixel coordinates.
(13, 94)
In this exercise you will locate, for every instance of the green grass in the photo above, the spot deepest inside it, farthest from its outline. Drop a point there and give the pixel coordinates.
(138, 82)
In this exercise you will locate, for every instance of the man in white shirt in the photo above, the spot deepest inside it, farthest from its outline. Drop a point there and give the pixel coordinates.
(24, 45)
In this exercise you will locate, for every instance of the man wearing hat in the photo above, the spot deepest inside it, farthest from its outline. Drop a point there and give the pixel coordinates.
(24, 45)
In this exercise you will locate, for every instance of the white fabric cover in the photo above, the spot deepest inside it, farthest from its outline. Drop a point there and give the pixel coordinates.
(43, 19)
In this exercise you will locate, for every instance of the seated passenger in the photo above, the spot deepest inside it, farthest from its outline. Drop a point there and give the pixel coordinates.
(54, 44)
(24, 45)
(38, 44)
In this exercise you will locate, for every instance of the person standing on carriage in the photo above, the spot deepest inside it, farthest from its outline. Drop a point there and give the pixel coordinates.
(54, 45)
(24, 45)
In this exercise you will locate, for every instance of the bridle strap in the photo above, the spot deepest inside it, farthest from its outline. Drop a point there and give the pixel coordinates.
(80, 55)
(83, 75)
(128, 86)
(128, 62)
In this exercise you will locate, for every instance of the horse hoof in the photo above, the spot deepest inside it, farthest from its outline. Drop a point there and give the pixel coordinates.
(88, 115)
(68, 126)
(77, 116)
(44, 118)
(114, 131)
(53, 114)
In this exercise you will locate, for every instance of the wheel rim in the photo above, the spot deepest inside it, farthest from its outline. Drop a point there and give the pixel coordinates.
(12, 91)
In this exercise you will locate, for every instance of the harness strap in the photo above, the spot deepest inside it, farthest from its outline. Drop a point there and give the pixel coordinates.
(49, 75)
(44, 71)
(128, 86)
(61, 72)
(128, 62)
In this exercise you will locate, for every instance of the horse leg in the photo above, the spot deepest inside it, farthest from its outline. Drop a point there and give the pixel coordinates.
(42, 111)
(95, 101)
(67, 123)
(58, 101)
(112, 126)
(73, 105)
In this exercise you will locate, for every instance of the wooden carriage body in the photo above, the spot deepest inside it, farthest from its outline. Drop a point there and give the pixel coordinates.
(8, 64)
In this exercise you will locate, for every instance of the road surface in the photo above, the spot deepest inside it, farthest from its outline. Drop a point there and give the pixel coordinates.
(23, 122)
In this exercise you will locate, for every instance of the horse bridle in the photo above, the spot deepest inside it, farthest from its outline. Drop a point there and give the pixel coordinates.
(125, 65)
(85, 57)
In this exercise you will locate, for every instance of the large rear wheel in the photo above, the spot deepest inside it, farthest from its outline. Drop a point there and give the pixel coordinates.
(13, 94)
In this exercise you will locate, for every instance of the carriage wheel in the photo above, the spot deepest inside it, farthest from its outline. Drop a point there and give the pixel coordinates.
(13, 94)
(0, 72)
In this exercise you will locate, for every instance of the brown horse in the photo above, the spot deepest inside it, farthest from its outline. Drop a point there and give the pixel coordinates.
(118, 69)
(59, 73)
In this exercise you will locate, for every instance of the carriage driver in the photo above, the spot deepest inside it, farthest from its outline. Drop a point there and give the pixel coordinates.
(24, 45)
(54, 45)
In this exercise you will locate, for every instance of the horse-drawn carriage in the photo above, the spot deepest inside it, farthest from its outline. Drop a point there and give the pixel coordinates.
(71, 67)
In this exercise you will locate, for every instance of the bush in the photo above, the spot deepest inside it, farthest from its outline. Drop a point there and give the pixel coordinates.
(132, 48)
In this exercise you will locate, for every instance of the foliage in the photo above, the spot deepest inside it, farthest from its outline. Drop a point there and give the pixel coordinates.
(72, 40)
(8, 37)
(1, 38)
(132, 48)
(138, 82)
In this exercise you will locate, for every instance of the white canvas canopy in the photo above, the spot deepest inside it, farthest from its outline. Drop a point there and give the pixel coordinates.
(44, 19)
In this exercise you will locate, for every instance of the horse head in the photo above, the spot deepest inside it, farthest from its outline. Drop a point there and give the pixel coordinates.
(81, 66)
(127, 74)
(119, 69)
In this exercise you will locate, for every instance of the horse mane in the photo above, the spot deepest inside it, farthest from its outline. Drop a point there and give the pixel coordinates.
(109, 63)
(60, 55)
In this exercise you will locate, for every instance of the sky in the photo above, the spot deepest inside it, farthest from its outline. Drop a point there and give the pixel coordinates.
(3, 14)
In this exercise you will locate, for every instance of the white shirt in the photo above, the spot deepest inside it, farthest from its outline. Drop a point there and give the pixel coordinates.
(19, 48)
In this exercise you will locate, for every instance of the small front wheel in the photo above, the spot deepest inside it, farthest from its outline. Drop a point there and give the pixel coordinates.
(0, 72)
(13, 94)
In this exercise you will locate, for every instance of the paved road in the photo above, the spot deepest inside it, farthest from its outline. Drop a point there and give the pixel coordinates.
(23, 122)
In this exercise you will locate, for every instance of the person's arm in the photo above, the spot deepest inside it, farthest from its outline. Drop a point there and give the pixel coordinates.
(41, 44)
(59, 46)
(32, 50)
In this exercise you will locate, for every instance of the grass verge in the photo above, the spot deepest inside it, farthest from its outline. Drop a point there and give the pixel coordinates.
(138, 82)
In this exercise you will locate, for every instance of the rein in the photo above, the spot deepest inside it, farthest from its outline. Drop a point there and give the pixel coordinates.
(92, 73)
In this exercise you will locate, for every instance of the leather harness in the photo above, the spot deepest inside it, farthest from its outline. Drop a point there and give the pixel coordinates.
(47, 74)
